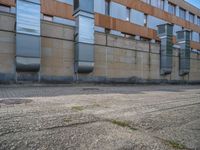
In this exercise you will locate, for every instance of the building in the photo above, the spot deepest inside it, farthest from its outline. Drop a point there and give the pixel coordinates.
(129, 41)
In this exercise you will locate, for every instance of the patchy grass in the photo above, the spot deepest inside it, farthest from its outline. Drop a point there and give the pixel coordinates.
(122, 124)
(67, 120)
(176, 145)
(96, 105)
(77, 108)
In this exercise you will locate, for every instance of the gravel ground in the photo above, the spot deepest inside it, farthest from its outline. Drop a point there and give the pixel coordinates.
(161, 117)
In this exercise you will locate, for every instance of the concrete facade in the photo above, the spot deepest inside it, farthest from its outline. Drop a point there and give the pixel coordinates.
(116, 59)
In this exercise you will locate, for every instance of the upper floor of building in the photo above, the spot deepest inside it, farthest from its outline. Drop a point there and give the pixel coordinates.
(126, 17)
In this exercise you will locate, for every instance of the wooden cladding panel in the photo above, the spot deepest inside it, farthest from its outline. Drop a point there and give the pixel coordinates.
(124, 26)
(58, 9)
(49, 7)
(186, 6)
(195, 45)
(130, 28)
(8, 2)
(153, 11)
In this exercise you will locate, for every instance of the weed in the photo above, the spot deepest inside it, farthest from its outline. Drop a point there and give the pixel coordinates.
(122, 124)
(77, 108)
(176, 145)
(67, 120)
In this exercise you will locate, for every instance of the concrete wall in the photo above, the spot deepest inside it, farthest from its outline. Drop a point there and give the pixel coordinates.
(117, 59)
(7, 48)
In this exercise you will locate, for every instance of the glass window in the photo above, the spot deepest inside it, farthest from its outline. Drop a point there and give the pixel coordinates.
(158, 4)
(172, 9)
(128, 14)
(129, 36)
(198, 21)
(199, 37)
(191, 17)
(191, 35)
(145, 20)
(107, 7)
(48, 18)
(147, 1)
(182, 13)
(4, 8)
(161, 4)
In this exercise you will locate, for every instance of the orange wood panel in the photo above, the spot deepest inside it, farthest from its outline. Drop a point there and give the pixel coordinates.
(153, 11)
(8, 2)
(195, 45)
(130, 28)
(186, 6)
(174, 39)
(58, 9)
(55, 8)
(124, 26)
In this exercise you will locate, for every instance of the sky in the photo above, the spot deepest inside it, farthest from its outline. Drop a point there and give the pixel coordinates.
(194, 2)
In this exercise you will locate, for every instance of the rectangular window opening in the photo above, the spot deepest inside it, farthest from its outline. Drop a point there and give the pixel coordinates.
(182, 13)
(107, 7)
(198, 21)
(172, 8)
(191, 17)
(4, 8)
(48, 18)
(145, 20)
(128, 14)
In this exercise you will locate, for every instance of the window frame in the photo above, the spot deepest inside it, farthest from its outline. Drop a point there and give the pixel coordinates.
(183, 11)
(193, 17)
(145, 20)
(128, 14)
(48, 18)
(162, 4)
(172, 7)
(107, 7)
(198, 20)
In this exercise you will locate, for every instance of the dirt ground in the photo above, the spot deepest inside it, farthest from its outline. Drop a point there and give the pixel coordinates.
(87, 117)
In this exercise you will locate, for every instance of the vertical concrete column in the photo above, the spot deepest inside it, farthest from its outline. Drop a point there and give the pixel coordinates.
(183, 40)
(165, 33)
(84, 35)
(28, 40)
